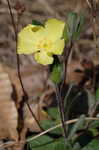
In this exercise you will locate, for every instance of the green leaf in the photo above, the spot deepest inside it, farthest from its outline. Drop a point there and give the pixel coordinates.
(93, 145)
(97, 94)
(60, 145)
(91, 100)
(41, 143)
(74, 27)
(94, 125)
(84, 138)
(68, 93)
(65, 33)
(94, 131)
(76, 146)
(37, 23)
(71, 22)
(77, 126)
(79, 26)
(76, 102)
(46, 124)
(56, 71)
(47, 143)
(54, 113)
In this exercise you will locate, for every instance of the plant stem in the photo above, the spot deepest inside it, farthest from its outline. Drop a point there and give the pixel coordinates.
(59, 101)
(59, 97)
(25, 98)
(67, 53)
(12, 19)
(92, 6)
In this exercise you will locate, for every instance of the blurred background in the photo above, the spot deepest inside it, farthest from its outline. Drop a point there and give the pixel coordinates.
(41, 10)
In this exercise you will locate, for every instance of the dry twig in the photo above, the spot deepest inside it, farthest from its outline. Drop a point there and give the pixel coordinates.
(11, 143)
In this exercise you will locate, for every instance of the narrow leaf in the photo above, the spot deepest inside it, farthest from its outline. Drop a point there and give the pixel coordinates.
(37, 23)
(56, 71)
(97, 94)
(76, 126)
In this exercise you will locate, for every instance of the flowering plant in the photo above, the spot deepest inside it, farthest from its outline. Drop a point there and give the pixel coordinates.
(42, 41)
(47, 41)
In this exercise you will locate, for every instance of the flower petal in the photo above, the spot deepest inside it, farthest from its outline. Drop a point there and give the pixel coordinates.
(57, 47)
(43, 58)
(26, 39)
(54, 29)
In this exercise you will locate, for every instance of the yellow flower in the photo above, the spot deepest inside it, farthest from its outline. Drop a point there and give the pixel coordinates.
(43, 42)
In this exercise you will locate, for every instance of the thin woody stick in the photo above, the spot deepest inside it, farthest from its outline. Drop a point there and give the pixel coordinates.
(25, 98)
(11, 143)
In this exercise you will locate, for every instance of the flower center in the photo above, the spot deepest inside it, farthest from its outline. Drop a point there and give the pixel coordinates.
(45, 44)
(35, 29)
